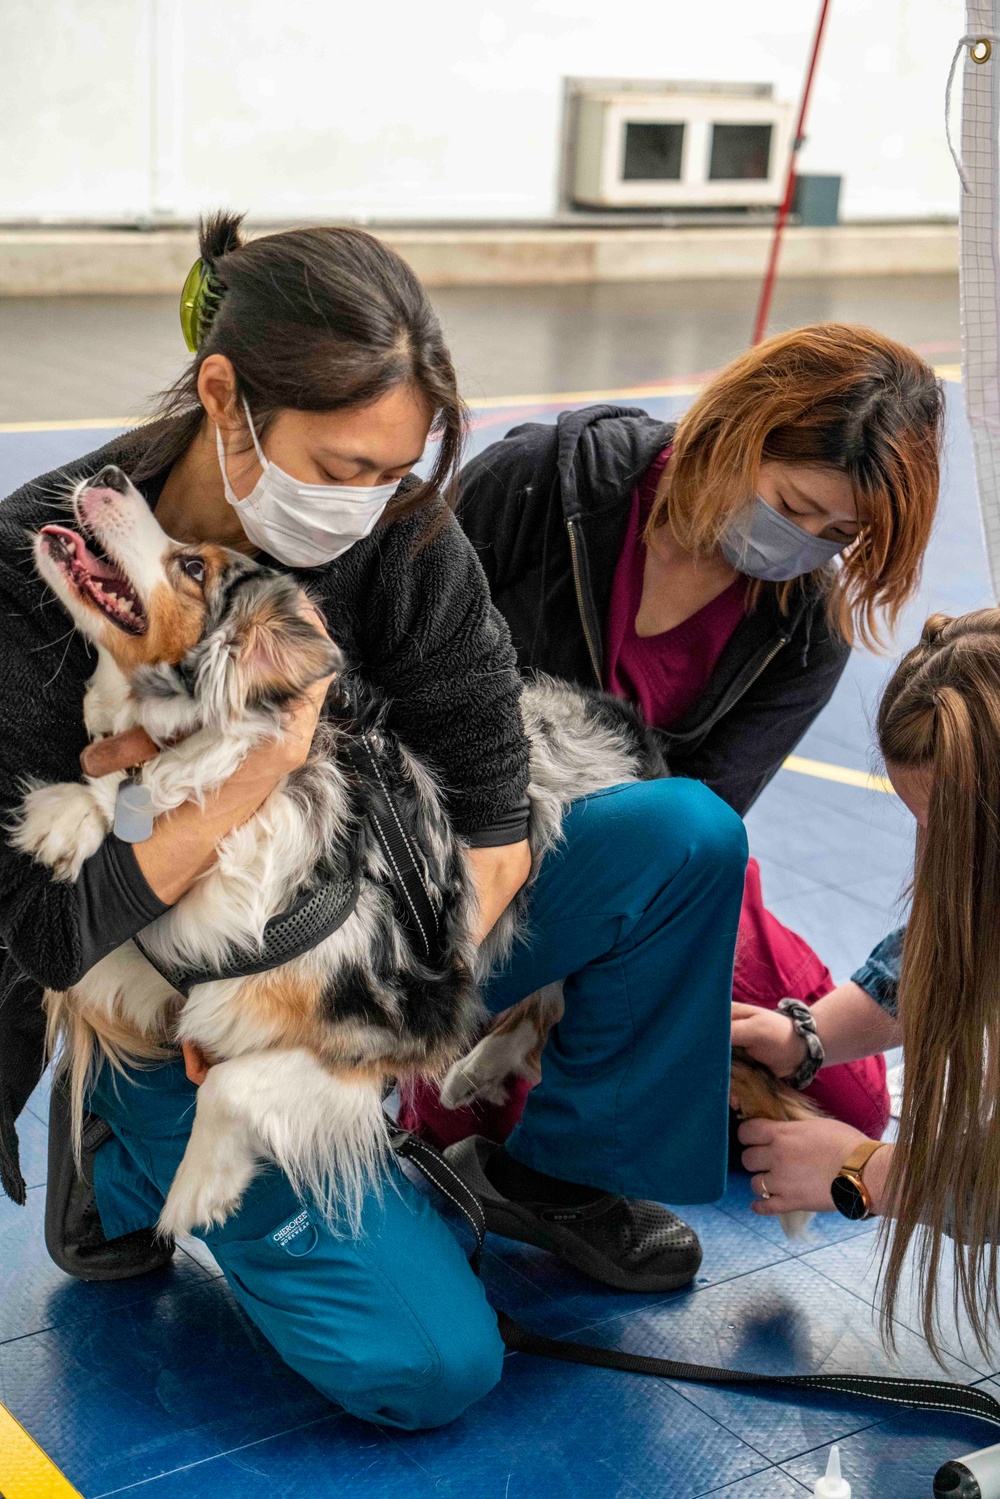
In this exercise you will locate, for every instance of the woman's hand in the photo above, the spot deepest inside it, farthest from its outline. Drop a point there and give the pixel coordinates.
(796, 1162)
(770, 1038)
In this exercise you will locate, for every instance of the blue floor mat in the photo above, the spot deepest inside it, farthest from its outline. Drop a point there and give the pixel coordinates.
(161, 1388)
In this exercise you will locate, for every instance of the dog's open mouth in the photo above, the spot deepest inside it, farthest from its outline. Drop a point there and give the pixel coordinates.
(95, 577)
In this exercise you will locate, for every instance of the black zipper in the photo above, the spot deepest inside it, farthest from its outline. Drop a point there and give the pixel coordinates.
(722, 707)
(728, 700)
(595, 658)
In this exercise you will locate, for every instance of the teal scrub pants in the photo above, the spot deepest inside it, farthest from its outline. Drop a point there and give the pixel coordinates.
(637, 909)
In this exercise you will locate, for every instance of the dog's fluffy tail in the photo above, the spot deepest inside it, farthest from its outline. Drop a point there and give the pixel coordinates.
(77, 1050)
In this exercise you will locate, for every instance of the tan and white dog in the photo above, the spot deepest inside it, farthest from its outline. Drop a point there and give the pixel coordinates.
(205, 649)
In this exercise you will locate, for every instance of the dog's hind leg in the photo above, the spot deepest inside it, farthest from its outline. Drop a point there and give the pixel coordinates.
(513, 1046)
(326, 1132)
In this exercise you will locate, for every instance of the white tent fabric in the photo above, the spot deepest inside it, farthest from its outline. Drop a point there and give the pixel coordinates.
(979, 258)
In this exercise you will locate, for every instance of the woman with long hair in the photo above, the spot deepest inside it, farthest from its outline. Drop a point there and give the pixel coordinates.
(319, 373)
(716, 573)
(934, 988)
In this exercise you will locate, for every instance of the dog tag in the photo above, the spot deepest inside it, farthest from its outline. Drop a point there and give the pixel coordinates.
(133, 813)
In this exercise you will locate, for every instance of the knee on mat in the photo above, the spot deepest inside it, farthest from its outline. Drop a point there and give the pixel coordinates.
(468, 1366)
(687, 816)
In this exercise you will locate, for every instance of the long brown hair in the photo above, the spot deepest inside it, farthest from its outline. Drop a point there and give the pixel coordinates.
(941, 712)
(314, 320)
(834, 396)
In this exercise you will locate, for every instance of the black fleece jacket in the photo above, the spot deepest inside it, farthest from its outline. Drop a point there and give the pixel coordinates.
(417, 624)
(547, 509)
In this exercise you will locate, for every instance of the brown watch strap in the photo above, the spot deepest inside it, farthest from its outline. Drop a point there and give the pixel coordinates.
(861, 1155)
(855, 1165)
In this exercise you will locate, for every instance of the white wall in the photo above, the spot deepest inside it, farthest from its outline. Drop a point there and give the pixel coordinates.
(120, 110)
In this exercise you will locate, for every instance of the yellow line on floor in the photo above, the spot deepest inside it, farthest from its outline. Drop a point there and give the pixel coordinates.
(25, 1471)
(83, 424)
(477, 403)
(824, 772)
(573, 397)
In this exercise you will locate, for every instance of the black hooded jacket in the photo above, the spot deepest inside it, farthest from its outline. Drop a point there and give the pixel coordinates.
(547, 509)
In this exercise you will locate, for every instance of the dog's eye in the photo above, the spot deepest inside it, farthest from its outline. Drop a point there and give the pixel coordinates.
(194, 568)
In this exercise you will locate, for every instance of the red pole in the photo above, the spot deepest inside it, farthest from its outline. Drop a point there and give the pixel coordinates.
(770, 275)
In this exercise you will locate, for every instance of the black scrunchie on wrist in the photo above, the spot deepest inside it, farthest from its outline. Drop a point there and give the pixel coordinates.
(805, 1026)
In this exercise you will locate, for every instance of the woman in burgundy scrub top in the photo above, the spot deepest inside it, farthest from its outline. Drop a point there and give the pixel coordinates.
(716, 573)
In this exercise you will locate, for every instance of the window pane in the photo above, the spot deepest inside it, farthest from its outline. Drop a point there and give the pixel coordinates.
(653, 152)
(739, 151)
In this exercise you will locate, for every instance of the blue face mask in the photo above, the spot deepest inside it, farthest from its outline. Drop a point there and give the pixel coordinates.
(769, 546)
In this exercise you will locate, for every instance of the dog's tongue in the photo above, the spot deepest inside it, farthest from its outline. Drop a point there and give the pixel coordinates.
(93, 567)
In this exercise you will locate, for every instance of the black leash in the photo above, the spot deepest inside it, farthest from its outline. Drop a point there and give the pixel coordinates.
(918, 1394)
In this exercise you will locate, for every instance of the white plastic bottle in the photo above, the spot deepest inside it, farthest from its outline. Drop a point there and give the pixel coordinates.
(831, 1485)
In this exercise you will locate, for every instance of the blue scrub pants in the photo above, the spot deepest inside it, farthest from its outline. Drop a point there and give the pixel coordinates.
(639, 906)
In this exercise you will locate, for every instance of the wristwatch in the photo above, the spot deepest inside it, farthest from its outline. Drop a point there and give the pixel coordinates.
(848, 1190)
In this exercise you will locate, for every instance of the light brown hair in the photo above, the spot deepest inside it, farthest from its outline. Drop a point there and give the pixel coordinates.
(833, 396)
(941, 711)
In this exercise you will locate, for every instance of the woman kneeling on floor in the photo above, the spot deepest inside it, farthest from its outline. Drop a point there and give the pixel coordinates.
(933, 987)
(689, 568)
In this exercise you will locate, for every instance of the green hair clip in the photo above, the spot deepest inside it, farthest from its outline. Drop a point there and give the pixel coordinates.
(201, 297)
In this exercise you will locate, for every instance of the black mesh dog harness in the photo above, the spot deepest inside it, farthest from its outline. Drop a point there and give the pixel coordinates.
(313, 917)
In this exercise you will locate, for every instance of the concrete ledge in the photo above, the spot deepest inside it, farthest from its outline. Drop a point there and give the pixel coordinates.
(53, 262)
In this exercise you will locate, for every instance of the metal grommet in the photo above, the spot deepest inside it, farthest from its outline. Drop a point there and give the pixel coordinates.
(981, 50)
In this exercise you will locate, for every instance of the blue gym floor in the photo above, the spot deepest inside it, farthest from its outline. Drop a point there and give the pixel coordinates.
(159, 1386)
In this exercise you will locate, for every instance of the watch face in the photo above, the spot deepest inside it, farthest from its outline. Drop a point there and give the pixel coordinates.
(847, 1198)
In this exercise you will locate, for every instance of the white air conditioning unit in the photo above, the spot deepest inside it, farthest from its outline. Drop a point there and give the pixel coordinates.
(669, 149)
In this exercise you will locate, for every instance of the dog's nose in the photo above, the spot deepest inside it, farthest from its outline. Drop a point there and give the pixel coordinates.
(110, 477)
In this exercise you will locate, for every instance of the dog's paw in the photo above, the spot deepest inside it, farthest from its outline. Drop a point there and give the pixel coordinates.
(482, 1074)
(61, 826)
(199, 1199)
(465, 1084)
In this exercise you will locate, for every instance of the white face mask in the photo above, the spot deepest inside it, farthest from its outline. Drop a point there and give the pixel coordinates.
(302, 525)
(766, 545)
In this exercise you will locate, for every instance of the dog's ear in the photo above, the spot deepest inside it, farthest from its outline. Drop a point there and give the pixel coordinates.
(263, 654)
(267, 651)
(281, 653)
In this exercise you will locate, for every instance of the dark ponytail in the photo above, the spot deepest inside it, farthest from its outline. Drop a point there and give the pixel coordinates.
(313, 320)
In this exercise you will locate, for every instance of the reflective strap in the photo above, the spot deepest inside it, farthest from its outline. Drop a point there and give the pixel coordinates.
(413, 900)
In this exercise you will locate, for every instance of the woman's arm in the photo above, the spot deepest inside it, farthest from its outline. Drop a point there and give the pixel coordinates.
(849, 1023)
(55, 930)
(498, 874)
(439, 652)
(183, 842)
